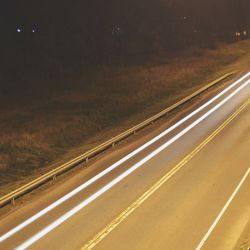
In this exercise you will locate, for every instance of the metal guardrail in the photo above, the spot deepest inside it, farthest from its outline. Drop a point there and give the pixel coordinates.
(11, 197)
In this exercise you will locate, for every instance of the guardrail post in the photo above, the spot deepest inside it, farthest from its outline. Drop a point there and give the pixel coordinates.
(87, 160)
(13, 201)
(113, 144)
(134, 132)
(54, 178)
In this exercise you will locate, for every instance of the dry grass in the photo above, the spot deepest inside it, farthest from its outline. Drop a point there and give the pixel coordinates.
(245, 245)
(37, 132)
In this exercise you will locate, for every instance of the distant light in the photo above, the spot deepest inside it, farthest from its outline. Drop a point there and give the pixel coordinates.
(116, 31)
(18, 30)
(33, 31)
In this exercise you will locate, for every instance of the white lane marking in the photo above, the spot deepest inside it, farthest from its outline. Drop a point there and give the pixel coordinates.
(115, 165)
(108, 186)
(223, 211)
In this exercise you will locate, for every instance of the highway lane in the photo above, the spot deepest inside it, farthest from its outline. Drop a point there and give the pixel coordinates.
(179, 214)
(81, 227)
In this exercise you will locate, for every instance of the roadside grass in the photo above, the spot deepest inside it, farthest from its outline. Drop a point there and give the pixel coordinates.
(245, 245)
(39, 132)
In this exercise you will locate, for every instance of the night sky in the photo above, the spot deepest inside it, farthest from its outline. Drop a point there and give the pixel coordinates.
(70, 15)
(55, 35)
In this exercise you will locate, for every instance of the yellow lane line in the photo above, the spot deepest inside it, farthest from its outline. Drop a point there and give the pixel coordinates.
(109, 228)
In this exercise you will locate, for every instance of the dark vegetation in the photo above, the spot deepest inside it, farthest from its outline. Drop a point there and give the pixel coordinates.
(79, 72)
(70, 37)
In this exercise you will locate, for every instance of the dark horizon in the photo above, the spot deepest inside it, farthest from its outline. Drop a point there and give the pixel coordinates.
(53, 37)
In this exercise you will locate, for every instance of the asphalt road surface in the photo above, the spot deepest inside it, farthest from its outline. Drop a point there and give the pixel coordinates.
(186, 185)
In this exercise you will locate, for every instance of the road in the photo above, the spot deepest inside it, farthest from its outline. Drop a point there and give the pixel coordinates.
(188, 187)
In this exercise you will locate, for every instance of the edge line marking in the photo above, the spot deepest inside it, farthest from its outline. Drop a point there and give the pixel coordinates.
(210, 230)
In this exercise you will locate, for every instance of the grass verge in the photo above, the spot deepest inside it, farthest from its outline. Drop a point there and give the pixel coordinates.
(40, 130)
